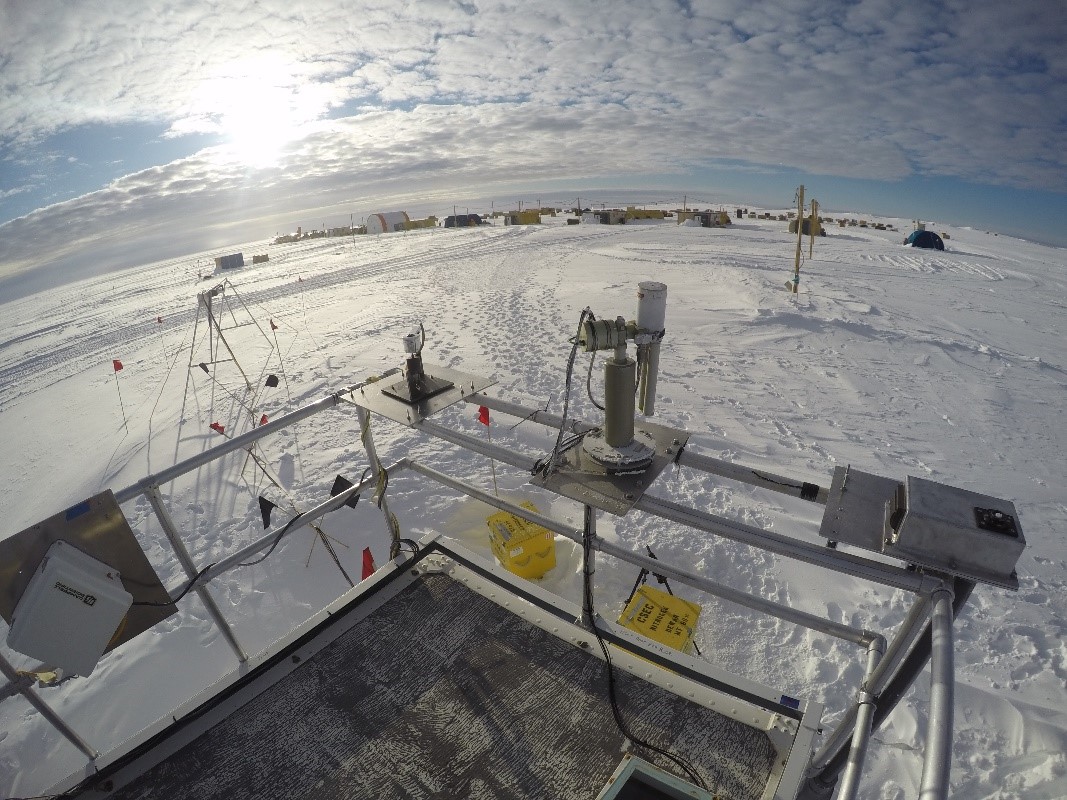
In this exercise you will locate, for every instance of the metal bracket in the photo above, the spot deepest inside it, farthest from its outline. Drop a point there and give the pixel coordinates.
(382, 399)
(582, 478)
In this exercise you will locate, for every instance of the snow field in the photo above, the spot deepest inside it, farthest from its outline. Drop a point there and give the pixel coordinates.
(944, 365)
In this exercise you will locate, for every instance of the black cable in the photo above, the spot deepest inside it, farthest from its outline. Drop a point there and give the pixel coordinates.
(589, 382)
(541, 465)
(616, 712)
(185, 591)
(545, 466)
(808, 491)
(772, 480)
(274, 544)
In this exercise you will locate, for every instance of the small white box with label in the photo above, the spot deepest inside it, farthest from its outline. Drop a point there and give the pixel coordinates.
(70, 610)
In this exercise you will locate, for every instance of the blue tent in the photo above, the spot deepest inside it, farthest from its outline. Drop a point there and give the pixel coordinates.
(927, 239)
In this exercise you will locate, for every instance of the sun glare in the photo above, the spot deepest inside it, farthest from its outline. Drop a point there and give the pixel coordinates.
(259, 111)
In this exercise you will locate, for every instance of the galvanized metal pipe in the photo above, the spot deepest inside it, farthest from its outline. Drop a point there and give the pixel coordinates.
(910, 630)
(797, 617)
(912, 627)
(532, 414)
(865, 707)
(12, 689)
(170, 529)
(757, 537)
(479, 446)
(46, 711)
(367, 438)
(743, 474)
(897, 681)
(747, 534)
(937, 758)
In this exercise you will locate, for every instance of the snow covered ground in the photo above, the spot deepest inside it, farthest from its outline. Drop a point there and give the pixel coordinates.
(945, 365)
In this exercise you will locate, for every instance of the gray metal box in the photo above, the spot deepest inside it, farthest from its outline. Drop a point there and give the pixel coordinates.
(955, 531)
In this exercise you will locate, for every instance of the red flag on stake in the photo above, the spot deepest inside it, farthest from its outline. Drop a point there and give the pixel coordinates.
(117, 365)
(217, 427)
(368, 563)
(273, 327)
(483, 417)
(263, 420)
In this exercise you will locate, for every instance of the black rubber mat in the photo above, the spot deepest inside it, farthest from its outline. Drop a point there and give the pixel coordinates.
(443, 694)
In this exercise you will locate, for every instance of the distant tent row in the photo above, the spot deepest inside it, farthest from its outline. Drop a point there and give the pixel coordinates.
(925, 239)
(463, 221)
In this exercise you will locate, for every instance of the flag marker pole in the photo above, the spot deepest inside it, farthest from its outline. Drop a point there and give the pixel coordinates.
(483, 417)
(117, 365)
(159, 327)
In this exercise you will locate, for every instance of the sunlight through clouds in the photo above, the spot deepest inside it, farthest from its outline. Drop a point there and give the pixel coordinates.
(258, 105)
(339, 96)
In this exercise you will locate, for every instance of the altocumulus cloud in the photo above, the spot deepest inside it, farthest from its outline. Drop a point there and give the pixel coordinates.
(387, 97)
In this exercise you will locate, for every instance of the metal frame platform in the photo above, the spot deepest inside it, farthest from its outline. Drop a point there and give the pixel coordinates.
(788, 724)
(445, 676)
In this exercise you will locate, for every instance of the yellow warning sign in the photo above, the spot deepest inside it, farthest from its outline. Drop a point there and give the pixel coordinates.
(662, 617)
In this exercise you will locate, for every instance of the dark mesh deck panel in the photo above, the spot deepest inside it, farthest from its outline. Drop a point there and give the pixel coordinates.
(443, 694)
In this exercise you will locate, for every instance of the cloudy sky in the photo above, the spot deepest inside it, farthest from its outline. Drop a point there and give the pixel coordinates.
(130, 131)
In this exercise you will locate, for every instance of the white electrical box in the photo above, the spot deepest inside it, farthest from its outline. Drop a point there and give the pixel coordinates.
(70, 611)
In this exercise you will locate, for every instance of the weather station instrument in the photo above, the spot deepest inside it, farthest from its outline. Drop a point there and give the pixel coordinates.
(615, 464)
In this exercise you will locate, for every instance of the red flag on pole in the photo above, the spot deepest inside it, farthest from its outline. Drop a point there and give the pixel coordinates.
(368, 563)
(273, 327)
(263, 420)
(117, 365)
(483, 417)
(217, 427)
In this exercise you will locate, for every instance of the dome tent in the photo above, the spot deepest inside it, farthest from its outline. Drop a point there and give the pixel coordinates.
(388, 222)
(926, 239)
